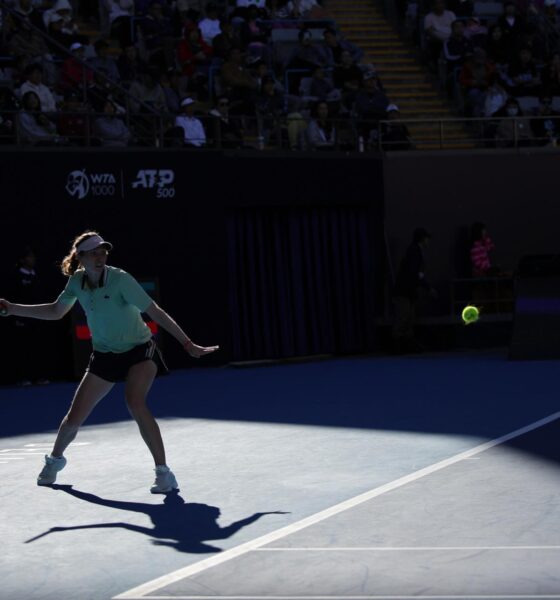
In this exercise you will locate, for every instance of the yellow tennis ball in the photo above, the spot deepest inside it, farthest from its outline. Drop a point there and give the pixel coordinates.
(470, 315)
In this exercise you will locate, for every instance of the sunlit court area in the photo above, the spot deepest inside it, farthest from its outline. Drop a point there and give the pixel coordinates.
(279, 300)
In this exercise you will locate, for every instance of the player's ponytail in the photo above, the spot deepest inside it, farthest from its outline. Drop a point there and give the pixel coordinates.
(71, 262)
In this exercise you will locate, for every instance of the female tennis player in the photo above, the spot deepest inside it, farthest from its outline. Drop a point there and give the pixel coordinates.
(123, 348)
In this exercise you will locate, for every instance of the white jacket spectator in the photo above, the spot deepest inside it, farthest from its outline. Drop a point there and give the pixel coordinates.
(34, 83)
(437, 24)
(48, 103)
(193, 128)
(301, 8)
(210, 25)
(119, 8)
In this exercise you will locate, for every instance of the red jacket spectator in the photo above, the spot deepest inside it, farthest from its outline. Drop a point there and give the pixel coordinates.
(73, 73)
(193, 51)
(480, 258)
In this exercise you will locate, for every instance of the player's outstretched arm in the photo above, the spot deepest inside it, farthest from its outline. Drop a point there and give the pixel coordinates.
(163, 319)
(47, 312)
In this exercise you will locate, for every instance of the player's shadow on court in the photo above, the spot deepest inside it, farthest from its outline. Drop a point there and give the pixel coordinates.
(177, 524)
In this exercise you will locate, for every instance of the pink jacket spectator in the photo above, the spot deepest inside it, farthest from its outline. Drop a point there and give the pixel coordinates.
(480, 259)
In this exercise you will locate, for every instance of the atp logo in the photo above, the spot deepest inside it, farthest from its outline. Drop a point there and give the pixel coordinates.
(77, 184)
(80, 184)
(159, 179)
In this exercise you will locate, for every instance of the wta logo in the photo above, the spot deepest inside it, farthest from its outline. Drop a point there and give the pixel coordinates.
(77, 184)
(80, 184)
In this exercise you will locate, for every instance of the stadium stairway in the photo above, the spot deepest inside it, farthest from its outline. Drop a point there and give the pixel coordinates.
(404, 78)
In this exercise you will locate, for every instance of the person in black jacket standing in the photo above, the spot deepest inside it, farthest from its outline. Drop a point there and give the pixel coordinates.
(28, 346)
(411, 278)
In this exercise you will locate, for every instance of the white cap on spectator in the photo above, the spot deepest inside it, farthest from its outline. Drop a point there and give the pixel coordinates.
(93, 242)
(55, 18)
(392, 108)
(187, 101)
(75, 46)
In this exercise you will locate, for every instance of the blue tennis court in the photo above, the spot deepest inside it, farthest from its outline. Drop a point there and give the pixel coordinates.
(433, 476)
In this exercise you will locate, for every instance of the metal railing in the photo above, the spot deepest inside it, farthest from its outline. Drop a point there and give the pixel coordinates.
(286, 132)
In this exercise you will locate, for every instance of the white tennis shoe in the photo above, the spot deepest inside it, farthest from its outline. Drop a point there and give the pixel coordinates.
(52, 466)
(165, 480)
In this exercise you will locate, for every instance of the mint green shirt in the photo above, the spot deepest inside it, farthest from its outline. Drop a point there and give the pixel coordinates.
(113, 310)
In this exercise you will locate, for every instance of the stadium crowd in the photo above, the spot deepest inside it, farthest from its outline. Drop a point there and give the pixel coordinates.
(505, 64)
(247, 74)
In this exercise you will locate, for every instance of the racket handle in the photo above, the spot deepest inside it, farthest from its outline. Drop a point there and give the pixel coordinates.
(3, 309)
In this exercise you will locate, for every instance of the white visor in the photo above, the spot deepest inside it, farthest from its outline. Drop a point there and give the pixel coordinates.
(93, 242)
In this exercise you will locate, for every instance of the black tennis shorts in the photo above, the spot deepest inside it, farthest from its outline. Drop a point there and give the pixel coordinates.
(114, 366)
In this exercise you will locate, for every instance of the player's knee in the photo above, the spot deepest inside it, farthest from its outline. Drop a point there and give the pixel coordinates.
(136, 405)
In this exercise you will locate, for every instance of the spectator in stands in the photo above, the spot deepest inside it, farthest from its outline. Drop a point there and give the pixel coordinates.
(170, 84)
(27, 43)
(224, 131)
(130, 65)
(320, 86)
(270, 107)
(73, 122)
(551, 75)
(476, 33)
(120, 17)
(254, 36)
(457, 47)
(496, 97)
(259, 71)
(98, 91)
(210, 25)
(194, 135)
(8, 107)
(515, 131)
(410, 282)
(394, 135)
(523, 76)
(306, 55)
(239, 85)
(482, 245)
(73, 72)
(476, 76)
(34, 127)
(149, 91)
(104, 62)
(305, 9)
(497, 47)
(546, 125)
(55, 31)
(193, 53)
(321, 133)
(225, 41)
(347, 77)
(276, 10)
(157, 34)
(63, 9)
(437, 29)
(513, 27)
(34, 83)
(335, 47)
(371, 105)
(30, 12)
(110, 129)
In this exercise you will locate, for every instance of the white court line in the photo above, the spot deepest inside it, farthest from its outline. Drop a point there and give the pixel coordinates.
(141, 591)
(384, 597)
(404, 549)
